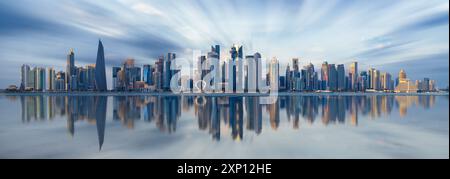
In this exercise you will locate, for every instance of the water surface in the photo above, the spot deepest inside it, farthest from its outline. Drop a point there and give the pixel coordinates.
(337, 126)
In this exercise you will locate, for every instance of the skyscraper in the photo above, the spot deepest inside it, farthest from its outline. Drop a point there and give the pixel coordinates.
(148, 74)
(354, 73)
(273, 74)
(332, 74)
(70, 68)
(100, 73)
(257, 57)
(40, 79)
(238, 70)
(250, 68)
(51, 79)
(115, 79)
(386, 81)
(341, 77)
(24, 74)
(324, 75)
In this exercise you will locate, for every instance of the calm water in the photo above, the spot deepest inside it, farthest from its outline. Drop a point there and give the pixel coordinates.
(224, 127)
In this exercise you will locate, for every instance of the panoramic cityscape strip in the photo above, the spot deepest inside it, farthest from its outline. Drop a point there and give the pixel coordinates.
(234, 75)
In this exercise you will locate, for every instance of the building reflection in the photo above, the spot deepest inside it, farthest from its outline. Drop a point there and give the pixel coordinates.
(215, 115)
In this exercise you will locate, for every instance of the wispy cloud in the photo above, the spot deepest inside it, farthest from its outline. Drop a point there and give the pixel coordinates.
(374, 32)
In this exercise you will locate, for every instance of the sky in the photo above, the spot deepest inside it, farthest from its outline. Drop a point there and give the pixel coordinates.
(385, 34)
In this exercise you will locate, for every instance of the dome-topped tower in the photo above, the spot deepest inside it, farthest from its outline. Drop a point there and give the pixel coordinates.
(402, 75)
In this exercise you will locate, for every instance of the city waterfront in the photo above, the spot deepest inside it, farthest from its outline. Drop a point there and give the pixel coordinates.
(305, 125)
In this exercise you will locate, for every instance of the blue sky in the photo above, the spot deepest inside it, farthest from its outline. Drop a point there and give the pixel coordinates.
(385, 34)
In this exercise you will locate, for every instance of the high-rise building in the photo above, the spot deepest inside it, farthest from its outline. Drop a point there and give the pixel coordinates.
(274, 68)
(288, 77)
(386, 81)
(237, 67)
(341, 77)
(40, 79)
(100, 73)
(32, 79)
(332, 77)
(376, 83)
(90, 77)
(24, 74)
(51, 79)
(370, 75)
(364, 84)
(354, 73)
(148, 71)
(70, 68)
(426, 84)
(257, 57)
(324, 75)
(60, 83)
(167, 70)
(250, 73)
(214, 68)
(404, 84)
(115, 79)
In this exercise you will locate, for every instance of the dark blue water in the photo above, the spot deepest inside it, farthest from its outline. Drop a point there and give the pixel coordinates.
(373, 126)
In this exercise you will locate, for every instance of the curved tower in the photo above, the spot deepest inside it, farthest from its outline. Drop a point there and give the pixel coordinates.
(100, 74)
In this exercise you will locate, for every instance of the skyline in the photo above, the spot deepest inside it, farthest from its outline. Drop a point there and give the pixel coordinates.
(337, 33)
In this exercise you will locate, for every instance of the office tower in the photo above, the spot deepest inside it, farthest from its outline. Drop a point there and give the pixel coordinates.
(32, 79)
(332, 77)
(376, 83)
(370, 75)
(60, 81)
(115, 79)
(214, 68)
(159, 68)
(129, 75)
(40, 79)
(354, 73)
(432, 85)
(364, 81)
(167, 70)
(73, 82)
(216, 49)
(288, 77)
(257, 57)
(295, 67)
(404, 84)
(310, 77)
(324, 75)
(24, 74)
(223, 73)
(386, 81)
(273, 74)
(148, 71)
(82, 80)
(250, 69)
(202, 70)
(341, 77)
(426, 85)
(295, 75)
(237, 69)
(100, 73)
(51, 79)
(70, 68)
(90, 77)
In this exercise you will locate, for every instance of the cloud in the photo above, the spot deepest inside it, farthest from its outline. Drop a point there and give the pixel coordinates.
(392, 31)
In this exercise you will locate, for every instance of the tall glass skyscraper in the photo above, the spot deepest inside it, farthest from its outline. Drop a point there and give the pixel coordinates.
(100, 74)
(70, 68)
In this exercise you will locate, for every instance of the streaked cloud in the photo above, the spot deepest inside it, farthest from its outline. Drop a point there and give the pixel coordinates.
(376, 33)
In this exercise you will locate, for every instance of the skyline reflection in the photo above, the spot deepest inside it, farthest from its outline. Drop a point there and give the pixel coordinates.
(218, 116)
